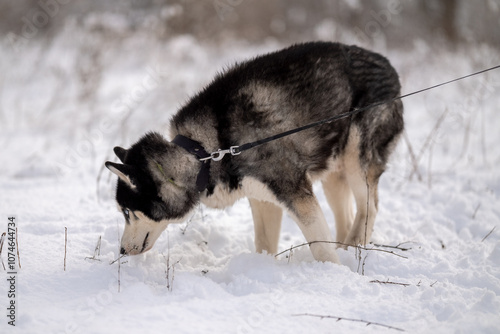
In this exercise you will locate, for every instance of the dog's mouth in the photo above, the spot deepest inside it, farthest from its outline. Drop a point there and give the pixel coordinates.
(145, 244)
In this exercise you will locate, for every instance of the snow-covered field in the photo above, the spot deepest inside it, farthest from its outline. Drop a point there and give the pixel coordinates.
(65, 104)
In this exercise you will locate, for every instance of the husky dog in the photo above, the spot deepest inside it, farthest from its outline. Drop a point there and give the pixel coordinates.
(161, 182)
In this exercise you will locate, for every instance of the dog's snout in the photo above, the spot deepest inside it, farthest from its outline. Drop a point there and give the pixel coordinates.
(140, 236)
(135, 249)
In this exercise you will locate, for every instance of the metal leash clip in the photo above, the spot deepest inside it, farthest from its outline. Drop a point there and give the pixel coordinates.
(219, 154)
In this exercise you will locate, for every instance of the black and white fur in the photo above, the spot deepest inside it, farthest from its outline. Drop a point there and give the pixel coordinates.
(256, 99)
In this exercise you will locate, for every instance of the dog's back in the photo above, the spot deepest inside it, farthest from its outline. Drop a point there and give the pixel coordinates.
(291, 88)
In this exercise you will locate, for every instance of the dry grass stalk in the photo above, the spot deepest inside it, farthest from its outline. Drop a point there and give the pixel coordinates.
(413, 157)
(119, 257)
(489, 233)
(290, 254)
(65, 245)
(475, 211)
(119, 275)
(97, 251)
(357, 247)
(116, 260)
(427, 143)
(429, 168)
(388, 282)
(362, 264)
(368, 323)
(170, 279)
(398, 246)
(193, 219)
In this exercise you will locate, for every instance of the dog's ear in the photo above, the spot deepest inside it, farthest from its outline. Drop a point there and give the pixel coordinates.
(120, 152)
(124, 172)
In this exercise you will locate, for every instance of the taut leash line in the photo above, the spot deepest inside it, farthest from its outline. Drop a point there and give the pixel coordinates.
(236, 150)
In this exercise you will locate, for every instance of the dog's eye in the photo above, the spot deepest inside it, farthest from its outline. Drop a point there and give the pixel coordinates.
(126, 212)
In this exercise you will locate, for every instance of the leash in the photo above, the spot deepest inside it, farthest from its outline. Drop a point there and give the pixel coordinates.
(236, 150)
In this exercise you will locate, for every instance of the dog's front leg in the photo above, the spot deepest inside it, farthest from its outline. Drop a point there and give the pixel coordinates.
(307, 213)
(267, 224)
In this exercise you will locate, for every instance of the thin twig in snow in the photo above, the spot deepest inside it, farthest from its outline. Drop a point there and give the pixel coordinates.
(476, 210)
(342, 244)
(368, 323)
(489, 233)
(192, 219)
(116, 260)
(290, 254)
(119, 275)
(429, 166)
(483, 137)
(466, 138)
(412, 157)
(363, 267)
(170, 280)
(398, 246)
(97, 251)
(188, 222)
(427, 142)
(65, 245)
(167, 271)
(358, 256)
(389, 282)
(362, 264)
(119, 257)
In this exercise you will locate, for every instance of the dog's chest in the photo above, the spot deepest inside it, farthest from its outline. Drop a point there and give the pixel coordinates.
(223, 197)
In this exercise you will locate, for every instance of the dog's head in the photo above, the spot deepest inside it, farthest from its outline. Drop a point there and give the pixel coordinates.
(156, 187)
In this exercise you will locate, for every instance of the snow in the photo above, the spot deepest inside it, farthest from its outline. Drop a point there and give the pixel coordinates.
(54, 143)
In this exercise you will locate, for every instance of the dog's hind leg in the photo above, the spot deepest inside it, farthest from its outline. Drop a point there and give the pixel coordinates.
(267, 224)
(363, 182)
(339, 197)
(306, 212)
(364, 186)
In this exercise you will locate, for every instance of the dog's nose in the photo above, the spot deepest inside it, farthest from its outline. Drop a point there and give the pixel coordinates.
(122, 251)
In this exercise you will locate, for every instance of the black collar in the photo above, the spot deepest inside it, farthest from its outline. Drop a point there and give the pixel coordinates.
(196, 149)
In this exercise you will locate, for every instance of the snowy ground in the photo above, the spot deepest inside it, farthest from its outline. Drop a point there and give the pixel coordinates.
(65, 105)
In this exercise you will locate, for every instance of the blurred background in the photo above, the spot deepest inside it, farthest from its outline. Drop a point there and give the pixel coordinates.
(398, 22)
(79, 77)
